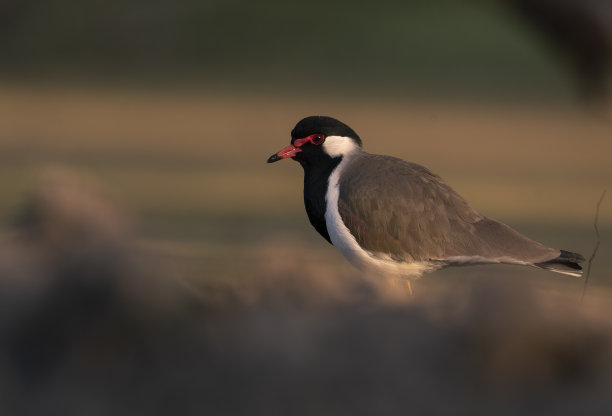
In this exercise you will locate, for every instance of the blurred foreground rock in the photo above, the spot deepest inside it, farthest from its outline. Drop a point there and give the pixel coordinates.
(91, 324)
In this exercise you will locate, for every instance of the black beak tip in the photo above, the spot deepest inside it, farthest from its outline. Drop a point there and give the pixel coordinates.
(274, 158)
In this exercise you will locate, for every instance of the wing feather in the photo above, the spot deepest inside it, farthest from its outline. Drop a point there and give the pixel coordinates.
(416, 216)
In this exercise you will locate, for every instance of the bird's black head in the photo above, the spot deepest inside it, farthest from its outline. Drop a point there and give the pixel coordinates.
(318, 138)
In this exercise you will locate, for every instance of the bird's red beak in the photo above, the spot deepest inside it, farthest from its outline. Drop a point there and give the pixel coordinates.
(288, 151)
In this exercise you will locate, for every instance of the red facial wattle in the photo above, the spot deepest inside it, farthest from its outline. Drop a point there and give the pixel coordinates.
(294, 149)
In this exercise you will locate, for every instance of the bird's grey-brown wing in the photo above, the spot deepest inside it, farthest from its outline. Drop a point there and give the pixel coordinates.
(404, 210)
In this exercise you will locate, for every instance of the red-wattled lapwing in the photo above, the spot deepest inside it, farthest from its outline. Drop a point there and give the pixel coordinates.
(395, 217)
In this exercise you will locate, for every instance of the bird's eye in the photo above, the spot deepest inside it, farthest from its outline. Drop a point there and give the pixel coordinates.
(317, 139)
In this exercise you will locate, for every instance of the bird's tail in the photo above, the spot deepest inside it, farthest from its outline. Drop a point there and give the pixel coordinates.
(566, 263)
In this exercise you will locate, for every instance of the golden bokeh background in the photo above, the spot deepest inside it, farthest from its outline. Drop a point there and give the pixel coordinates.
(147, 248)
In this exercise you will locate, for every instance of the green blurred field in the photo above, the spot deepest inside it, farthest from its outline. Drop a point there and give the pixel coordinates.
(190, 166)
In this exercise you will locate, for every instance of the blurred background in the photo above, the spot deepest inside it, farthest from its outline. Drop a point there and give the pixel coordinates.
(151, 260)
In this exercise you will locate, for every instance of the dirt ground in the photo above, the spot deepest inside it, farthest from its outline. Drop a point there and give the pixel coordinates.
(151, 261)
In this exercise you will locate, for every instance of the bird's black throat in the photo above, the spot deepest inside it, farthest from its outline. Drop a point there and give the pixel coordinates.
(316, 182)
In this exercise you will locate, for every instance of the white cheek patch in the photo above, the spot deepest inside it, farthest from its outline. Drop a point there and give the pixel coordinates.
(336, 146)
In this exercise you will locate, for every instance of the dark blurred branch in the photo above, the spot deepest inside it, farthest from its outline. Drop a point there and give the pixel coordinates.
(588, 273)
(581, 33)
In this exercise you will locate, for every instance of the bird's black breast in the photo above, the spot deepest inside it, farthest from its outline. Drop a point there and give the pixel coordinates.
(316, 180)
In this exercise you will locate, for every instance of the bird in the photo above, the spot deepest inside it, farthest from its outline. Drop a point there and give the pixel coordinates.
(397, 218)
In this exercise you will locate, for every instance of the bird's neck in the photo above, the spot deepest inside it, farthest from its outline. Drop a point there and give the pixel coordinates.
(316, 180)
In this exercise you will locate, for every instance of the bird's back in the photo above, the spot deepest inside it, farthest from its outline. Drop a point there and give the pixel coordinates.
(407, 212)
